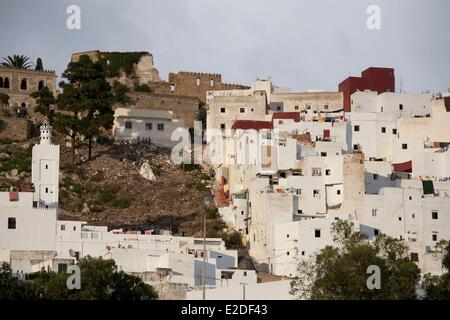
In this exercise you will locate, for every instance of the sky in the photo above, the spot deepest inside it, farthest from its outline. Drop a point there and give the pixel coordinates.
(298, 44)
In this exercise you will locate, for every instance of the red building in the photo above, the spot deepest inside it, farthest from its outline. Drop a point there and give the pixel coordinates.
(374, 79)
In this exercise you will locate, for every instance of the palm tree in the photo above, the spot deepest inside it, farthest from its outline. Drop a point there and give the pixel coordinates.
(17, 61)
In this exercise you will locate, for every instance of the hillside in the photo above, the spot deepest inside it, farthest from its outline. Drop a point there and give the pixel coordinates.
(109, 190)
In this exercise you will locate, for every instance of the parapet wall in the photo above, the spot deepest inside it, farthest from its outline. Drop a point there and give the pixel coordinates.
(196, 84)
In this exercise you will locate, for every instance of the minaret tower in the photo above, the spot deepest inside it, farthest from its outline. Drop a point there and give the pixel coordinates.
(45, 169)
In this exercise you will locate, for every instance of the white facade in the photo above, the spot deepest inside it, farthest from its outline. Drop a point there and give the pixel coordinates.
(156, 125)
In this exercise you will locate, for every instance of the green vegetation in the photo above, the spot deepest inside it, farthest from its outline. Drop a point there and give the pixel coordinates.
(17, 61)
(19, 158)
(438, 287)
(87, 99)
(45, 103)
(340, 272)
(212, 213)
(190, 167)
(100, 280)
(39, 65)
(108, 195)
(142, 88)
(113, 62)
(4, 99)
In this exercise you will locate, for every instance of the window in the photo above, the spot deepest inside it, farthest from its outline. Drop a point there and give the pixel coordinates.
(40, 85)
(245, 273)
(278, 108)
(128, 125)
(356, 128)
(62, 267)
(287, 253)
(400, 106)
(46, 166)
(434, 215)
(63, 227)
(399, 218)
(434, 237)
(382, 109)
(410, 198)
(316, 193)
(148, 126)
(394, 131)
(23, 84)
(376, 232)
(74, 228)
(46, 190)
(323, 154)
(242, 110)
(160, 126)
(300, 211)
(287, 236)
(383, 129)
(1, 82)
(299, 191)
(355, 147)
(296, 108)
(6, 83)
(414, 257)
(222, 110)
(11, 223)
(222, 126)
(325, 107)
(327, 172)
(211, 83)
(413, 216)
(374, 212)
(198, 82)
(317, 233)
(404, 146)
(338, 192)
(303, 253)
(316, 172)
(375, 176)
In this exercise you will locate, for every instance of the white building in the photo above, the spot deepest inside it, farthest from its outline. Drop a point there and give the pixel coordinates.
(158, 126)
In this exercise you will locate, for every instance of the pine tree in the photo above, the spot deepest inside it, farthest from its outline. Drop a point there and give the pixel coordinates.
(39, 66)
(86, 102)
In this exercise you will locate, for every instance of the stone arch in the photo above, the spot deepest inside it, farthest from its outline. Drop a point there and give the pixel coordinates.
(6, 83)
(23, 84)
(40, 85)
(1, 82)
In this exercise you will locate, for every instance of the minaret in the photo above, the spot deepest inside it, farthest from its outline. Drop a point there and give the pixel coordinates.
(45, 169)
(46, 132)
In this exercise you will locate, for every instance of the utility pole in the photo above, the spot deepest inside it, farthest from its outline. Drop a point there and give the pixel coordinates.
(243, 290)
(204, 254)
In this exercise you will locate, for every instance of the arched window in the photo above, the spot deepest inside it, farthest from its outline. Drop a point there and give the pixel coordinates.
(1, 82)
(6, 83)
(23, 84)
(23, 105)
(40, 85)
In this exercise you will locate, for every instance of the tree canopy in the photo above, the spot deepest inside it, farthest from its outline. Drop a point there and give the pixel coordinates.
(340, 272)
(17, 61)
(100, 280)
(45, 103)
(438, 287)
(87, 99)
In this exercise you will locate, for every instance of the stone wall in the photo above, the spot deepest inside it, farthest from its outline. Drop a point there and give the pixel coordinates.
(184, 108)
(17, 129)
(195, 84)
(18, 84)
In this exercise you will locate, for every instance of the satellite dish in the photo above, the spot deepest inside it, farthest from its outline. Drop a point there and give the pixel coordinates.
(71, 253)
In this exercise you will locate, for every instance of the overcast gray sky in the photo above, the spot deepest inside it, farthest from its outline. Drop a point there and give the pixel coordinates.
(299, 44)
